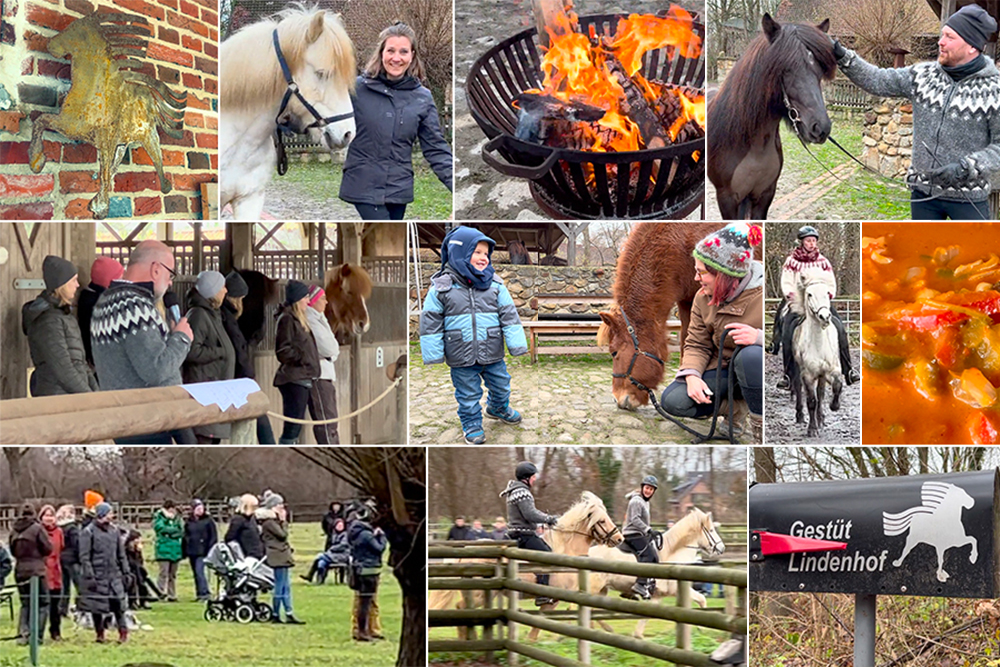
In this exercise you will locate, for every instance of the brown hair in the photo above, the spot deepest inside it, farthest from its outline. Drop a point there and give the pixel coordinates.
(725, 286)
(374, 67)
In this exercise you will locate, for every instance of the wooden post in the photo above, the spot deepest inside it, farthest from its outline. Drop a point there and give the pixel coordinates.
(682, 633)
(350, 236)
(583, 618)
(196, 258)
(321, 253)
(513, 659)
(470, 630)
(488, 628)
(241, 236)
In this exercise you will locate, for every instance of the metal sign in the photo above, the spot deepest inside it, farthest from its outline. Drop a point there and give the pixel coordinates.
(932, 535)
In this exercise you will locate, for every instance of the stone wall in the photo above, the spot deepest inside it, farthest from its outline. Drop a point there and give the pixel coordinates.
(888, 137)
(182, 53)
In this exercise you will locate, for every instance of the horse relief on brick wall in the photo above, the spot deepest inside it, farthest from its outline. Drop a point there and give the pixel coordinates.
(112, 102)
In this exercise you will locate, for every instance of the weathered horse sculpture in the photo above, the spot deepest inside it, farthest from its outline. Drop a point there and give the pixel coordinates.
(111, 103)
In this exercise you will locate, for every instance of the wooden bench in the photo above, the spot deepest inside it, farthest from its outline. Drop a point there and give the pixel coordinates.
(578, 330)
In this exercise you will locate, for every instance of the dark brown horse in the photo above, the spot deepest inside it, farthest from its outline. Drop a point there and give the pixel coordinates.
(779, 77)
(655, 271)
(348, 288)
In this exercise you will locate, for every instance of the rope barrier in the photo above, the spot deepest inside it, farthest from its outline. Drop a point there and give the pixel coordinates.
(338, 419)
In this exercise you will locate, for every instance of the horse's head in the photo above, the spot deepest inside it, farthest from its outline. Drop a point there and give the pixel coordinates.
(709, 539)
(321, 58)
(965, 499)
(814, 295)
(590, 517)
(630, 355)
(76, 36)
(802, 59)
(348, 288)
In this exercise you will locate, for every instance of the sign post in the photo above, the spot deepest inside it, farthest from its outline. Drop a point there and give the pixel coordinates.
(864, 630)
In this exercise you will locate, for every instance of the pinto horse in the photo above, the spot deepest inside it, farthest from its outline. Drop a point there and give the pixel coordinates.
(779, 77)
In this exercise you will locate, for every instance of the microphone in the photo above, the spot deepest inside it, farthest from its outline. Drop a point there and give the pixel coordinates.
(172, 305)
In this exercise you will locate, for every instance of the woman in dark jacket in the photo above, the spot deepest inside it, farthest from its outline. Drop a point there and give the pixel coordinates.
(296, 350)
(30, 545)
(335, 512)
(54, 334)
(274, 532)
(392, 110)
(367, 545)
(211, 356)
(105, 569)
(243, 528)
(199, 536)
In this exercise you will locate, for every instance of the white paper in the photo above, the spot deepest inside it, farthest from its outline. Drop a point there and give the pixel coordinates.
(225, 393)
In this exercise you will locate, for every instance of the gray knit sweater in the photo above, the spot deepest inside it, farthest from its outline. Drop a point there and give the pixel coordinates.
(636, 515)
(954, 119)
(132, 346)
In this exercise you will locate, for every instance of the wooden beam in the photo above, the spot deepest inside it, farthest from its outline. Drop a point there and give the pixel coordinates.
(350, 243)
(271, 232)
(198, 255)
(241, 235)
(111, 229)
(321, 252)
(135, 232)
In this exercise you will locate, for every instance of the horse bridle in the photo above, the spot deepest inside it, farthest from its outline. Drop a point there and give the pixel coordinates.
(603, 536)
(320, 121)
(712, 542)
(636, 353)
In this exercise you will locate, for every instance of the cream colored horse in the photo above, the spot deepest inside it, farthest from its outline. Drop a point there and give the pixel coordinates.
(680, 545)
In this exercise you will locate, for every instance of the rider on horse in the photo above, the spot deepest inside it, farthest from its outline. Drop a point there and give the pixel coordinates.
(523, 518)
(806, 256)
(640, 536)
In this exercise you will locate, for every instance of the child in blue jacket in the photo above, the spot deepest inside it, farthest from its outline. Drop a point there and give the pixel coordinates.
(468, 315)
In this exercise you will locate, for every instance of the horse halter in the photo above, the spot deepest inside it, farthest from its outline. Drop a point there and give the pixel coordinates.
(636, 352)
(596, 532)
(293, 89)
(712, 541)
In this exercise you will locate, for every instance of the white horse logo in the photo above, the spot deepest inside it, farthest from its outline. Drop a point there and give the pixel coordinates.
(937, 523)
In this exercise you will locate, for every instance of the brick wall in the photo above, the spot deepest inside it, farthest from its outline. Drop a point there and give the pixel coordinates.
(182, 52)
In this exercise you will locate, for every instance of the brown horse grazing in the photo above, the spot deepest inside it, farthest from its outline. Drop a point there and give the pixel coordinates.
(655, 271)
(779, 77)
(348, 287)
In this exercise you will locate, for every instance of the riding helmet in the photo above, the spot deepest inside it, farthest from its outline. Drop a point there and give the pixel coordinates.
(650, 480)
(808, 230)
(524, 470)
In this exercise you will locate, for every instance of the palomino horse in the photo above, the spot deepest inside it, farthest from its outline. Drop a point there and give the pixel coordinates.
(779, 76)
(110, 104)
(348, 288)
(815, 347)
(655, 271)
(583, 525)
(680, 545)
(321, 63)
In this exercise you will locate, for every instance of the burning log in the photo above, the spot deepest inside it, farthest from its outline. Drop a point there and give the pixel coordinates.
(537, 114)
(635, 106)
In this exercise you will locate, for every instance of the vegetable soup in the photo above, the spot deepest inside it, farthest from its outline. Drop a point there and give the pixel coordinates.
(930, 333)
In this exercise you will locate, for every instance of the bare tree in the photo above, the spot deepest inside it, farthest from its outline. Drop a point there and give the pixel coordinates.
(879, 26)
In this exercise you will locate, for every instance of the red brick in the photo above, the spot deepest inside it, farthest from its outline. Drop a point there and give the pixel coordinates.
(211, 86)
(168, 3)
(77, 181)
(191, 81)
(213, 35)
(36, 41)
(77, 210)
(211, 4)
(173, 158)
(54, 68)
(187, 139)
(79, 153)
(212, 49)
(165, 53)
(207, 65)
(142, 7)
(28, 66)
(48, 18)
(30, 185)
(192, 119)
(12, 152)
(196, 203)
(194, 102)
(175, 204)
(169, 35)
(10, 8)
(190, 9)
(191, 181)
(147, 206)
(207, 140)
(212, 122)
(168, 74)
(170, 158)
(79, 6)
(215, 161)
(34, 211)
(180, 21)
(136, 181)
(209, 17)
(191, 43)
(10, 121)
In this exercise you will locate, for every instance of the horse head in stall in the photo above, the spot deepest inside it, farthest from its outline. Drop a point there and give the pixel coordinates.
(348, 288)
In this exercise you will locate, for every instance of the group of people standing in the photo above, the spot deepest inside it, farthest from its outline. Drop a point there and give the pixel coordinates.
(123, 336)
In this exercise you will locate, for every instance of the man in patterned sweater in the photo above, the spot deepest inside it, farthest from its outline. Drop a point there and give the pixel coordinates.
(956, 116)
(133, 348)
(806, 256)
(523, 518)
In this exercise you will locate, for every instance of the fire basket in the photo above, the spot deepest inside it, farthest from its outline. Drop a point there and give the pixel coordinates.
(652, 183)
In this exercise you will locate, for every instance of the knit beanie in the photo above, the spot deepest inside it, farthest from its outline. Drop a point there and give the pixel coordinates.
(729, 250)
(104, 270)
(273, 501)
(57, 272)
(295, 291)
(210, 283)
(973, 24)
(315, 294)
(102, 510)
(235, 285)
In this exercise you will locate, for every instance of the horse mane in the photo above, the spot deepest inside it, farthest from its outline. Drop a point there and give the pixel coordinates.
(757, 76)
(583, 511)
(806, 278)
(250, 53)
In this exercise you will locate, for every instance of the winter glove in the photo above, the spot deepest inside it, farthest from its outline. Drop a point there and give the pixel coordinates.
(952, 175)
(552, 520)
(838, 49)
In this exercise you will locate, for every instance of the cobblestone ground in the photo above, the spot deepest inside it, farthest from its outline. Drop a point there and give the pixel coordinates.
(562, 399)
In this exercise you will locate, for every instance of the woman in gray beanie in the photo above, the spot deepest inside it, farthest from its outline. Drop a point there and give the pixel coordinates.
(212, 356)
(54, 334)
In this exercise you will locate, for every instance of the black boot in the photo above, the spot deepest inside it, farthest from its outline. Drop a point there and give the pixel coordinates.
(312, 573)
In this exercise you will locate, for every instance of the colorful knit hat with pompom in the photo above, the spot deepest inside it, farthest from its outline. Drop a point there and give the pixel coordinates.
(730, 250)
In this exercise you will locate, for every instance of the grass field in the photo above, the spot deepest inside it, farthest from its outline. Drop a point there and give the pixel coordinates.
(182, 638)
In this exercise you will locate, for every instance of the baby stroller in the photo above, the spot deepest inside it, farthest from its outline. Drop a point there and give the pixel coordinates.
(241, 578)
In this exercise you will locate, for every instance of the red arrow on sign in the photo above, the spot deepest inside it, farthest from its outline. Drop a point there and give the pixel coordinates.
(772, 544)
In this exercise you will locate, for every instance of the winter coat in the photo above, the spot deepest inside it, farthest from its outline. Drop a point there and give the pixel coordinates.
(274, 534)
(366, 548)
(29, 545)
(460, 533)
(71, 548)
(244, 531)
(296, 350)
(244, 362)
(53, 566)
(464, 326)
(389, 118)
(56, 348)
(522, 516)
(328, 522)
(326, 344)
(169, 534)
(211, 356)
(103, 568)
(701, 347)
(84, 312)
(498, 534)
(636, 515)
(199, 536)
(339, 549)
(955, 119)
(6, 565)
